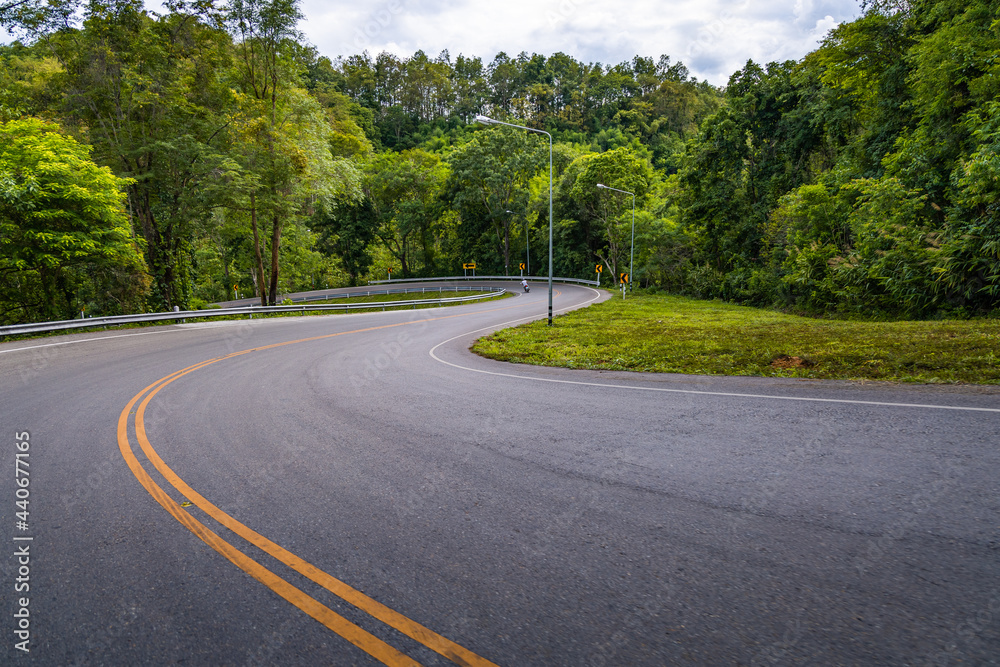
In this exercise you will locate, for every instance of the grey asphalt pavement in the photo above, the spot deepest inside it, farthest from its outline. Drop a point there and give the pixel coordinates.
(533, 516)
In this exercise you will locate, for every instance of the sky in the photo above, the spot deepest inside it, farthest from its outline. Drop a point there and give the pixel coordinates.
(714, 38)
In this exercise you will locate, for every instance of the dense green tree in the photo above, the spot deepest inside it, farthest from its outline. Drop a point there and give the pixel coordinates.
(597, 219)
(347, 232)
(490, 176)
(144, 92)
(861, 178)
(65, 241)
(401, 203)
(969, 266)
(26, 82)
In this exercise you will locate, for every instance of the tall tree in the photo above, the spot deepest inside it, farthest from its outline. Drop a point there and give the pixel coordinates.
(469, 83)
(402, 192)
(265, 32)
(347, 232)
(281, 173)
(603, 216)
(490, 176)
(62, 228)
(145, 93)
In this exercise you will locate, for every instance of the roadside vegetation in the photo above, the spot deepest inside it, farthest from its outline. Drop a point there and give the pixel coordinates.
(671, 334)
(204, 147)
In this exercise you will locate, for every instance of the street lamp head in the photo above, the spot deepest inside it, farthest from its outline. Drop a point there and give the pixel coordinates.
(601, 185)
(485, 120)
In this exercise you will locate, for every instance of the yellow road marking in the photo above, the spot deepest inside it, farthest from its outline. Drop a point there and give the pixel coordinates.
(428, 638)
(331, 619)
(354, 634)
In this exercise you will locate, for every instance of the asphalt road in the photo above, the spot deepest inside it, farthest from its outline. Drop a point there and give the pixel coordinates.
(361, 490)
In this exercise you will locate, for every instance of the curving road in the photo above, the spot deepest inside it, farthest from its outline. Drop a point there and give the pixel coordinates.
(360, 489)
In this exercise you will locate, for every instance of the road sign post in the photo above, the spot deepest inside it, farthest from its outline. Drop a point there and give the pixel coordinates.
(624, 280)
(467, 266)
(599, 269)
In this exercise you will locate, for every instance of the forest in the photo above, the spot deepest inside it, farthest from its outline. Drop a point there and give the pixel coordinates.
(158, 160)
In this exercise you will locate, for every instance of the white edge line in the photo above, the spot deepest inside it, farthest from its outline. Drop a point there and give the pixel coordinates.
(679, 391)
(88, 340)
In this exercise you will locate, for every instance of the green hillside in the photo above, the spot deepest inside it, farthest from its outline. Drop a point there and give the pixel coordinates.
(863, 180)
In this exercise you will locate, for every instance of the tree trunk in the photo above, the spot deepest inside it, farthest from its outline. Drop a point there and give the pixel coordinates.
(225, 265)
(275, 247)
(256, 247)
(506, 249)
(156, 256)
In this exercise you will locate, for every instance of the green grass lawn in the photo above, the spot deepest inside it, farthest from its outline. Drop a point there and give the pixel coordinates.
(677, 335)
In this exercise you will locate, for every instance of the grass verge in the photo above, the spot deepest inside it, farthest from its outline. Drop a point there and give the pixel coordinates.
(677, 335)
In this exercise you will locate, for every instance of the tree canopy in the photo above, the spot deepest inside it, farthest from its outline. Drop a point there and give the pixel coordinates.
(862, 179)
(63, 227)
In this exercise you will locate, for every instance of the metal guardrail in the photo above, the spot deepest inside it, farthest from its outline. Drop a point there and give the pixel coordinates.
(536, 279)
(112, 320)
(404, 290)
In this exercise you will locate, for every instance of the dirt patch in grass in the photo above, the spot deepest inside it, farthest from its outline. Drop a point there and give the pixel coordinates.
(785, 361)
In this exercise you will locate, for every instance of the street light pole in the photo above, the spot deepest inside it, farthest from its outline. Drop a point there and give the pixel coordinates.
(486, 120)
(631, 257)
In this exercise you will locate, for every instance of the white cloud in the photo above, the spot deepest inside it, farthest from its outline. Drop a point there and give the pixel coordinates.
(824, 26)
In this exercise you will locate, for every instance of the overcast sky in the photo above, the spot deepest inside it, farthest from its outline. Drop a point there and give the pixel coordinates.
(714, 38)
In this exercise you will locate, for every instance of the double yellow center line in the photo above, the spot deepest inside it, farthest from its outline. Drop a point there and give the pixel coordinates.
(332, 620)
